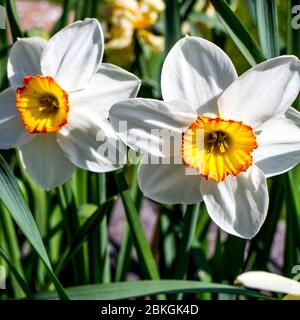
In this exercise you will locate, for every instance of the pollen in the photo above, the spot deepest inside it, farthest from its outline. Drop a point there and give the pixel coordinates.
(217, 148)
(43, 105)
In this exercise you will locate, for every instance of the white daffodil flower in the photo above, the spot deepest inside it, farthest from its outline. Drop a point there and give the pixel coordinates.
(249, 133)
(267, 281)
(58, 103)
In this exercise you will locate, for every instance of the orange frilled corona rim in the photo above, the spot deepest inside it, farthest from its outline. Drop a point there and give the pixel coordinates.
(43, 104)
(217, 148)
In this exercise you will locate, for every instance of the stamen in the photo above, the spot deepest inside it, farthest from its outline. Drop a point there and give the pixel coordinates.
(43, 105)
(49, 104)
(227, 147)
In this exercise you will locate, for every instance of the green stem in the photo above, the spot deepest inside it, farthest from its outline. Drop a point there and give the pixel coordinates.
(146, 259)
(189, 227)
(173, 24)
(103, 233)
(124, 257)
(13, 250)
(293, 38)
(98, 241)
(18, 276)
(267, 23)
(71, 223)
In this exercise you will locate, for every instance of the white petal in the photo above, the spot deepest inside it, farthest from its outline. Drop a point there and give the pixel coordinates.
(239, 204)
(12, 130)
(24, 60)
(269, 282)
(196, 71)
(45, 161)
(109, 85)
(278, 146)
(294, 115)
(168, 183)
(264, 91)
(146, 125)
(87, 138)
(73, 55)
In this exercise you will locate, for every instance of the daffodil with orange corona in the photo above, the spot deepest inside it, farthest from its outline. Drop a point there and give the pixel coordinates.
(230, 133)
(57, 106)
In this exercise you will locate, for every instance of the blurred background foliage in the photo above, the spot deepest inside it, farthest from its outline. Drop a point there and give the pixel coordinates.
(70, 241)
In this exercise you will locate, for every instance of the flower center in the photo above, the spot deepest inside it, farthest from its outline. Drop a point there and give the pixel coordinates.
(217, 142)
(218, 148)
(43, 105)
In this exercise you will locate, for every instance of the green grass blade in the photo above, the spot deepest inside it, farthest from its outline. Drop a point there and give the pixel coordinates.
(238, 32)
(146, 259)
(293, 35)
(167, 243)
(11, 197)
(13, 19)
(79, 185)
(292, 227)
(173, 23)
(22, 282)
(125, 256)
(88, 227)
(103, 233)
(4, 46)
(293, 32)
(260, 247)
(186, 7)
(134, 289)
(234, 251)
(99, 260)
(188, 233)
(12, 248)
(68, 6)
(267, 23)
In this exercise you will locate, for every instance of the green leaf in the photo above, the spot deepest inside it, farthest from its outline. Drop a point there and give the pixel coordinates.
(11, 197)
(186, 7)
(260, 246)
(21, 281)
(188, 233)
(146, 259)
(63, 20)
(4, 47)
(134, 289)
(212, 21)
(125, 256)
(293, 35)
(267, 23)
(13, 19)
(173, 24)
(239, 34)
(293, 41)
(233, 256)
(88, 227)
(12, 248)
(292, 226)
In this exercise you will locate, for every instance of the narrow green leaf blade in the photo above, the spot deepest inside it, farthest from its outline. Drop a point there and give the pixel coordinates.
(147, 261)
(134, 289)
(88, 227)
(173, 23)
(238, 33)
(13, 19)
(11, 197)
(267, 23)
(22, 282)
(293, 34)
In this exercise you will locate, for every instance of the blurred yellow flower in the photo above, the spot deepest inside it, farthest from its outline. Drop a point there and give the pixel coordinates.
(130, 17)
